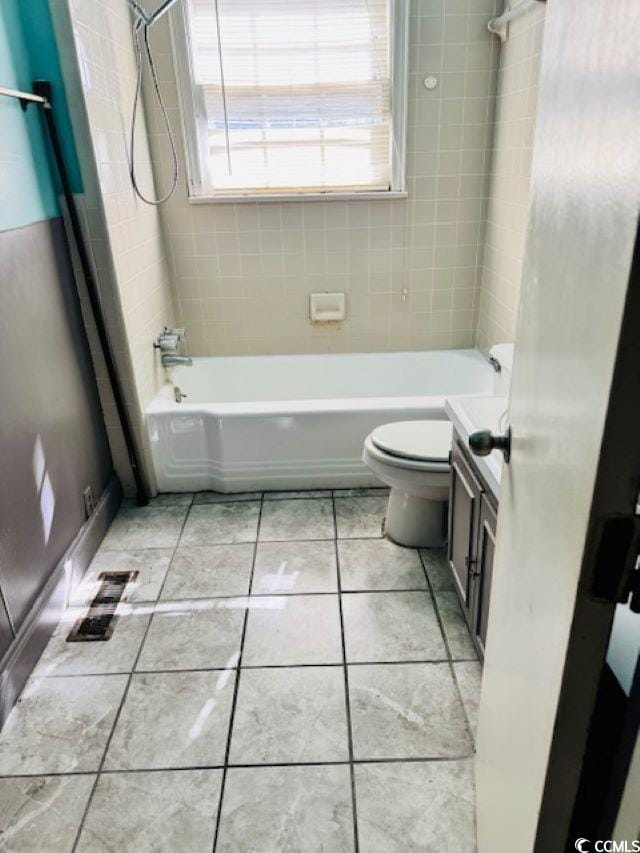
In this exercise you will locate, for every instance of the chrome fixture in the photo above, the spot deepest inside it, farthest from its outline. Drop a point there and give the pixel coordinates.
(500, 26)
(169, 360)
(495, 364)
(178, 396)
(143, 21)
(146, 18)
(168, 342)
(169, 339)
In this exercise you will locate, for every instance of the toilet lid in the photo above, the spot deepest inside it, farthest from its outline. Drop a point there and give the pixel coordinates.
(424, 440)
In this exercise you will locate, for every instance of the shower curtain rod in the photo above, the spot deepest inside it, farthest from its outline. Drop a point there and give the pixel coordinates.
(42, 96)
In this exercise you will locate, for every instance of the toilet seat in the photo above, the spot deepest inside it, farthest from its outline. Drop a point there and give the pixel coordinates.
(426, 442)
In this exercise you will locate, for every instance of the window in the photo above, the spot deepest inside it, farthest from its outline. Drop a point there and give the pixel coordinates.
(288, 97)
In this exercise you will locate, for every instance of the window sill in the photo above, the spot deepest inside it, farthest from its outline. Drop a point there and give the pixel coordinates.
(253, 199)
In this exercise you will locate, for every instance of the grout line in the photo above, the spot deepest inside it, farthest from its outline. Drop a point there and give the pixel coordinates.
(236, 686)
(450, 658)
(172, 769)
(256, 666)
(123, 699)
(245, 542)
(345, 671)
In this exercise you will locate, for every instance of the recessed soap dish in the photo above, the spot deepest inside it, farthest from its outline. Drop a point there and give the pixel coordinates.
(327, 307)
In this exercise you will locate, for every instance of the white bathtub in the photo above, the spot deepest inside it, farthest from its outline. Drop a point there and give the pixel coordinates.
(296, 422)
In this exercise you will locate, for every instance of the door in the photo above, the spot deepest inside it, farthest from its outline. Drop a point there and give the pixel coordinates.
(575, 464)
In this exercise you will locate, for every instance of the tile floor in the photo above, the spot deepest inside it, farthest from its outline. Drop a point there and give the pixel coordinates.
(280, 678)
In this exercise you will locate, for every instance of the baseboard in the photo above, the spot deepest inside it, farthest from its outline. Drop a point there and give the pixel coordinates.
(23, 654)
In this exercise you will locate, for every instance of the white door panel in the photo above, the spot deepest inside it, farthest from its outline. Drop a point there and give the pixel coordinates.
(585, 196)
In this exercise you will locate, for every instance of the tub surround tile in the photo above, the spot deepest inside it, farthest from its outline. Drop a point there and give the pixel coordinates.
(294, 567)
(60, 725)
(411, 807)
(297, 519)
(145, 527)
(469, 677)
(309, 493)
(222, 523)
(222, 497)
(455, 627)
(372, 564)
(407, 710)
(290, 630)
(150, 563)
(286, 808)
(360, 518)
(290, 716)
(209, 571)
(167, 810)
(437, 568)
(43, 812)
(118, 654)
(172, 720)
(391, 626)
(196, 634)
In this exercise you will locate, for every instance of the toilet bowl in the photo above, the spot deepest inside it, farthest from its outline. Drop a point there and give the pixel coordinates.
(412, 457)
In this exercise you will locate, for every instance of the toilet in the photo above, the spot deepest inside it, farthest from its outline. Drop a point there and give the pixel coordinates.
(412, 457)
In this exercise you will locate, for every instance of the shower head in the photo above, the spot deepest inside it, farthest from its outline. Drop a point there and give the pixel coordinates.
(149, 19)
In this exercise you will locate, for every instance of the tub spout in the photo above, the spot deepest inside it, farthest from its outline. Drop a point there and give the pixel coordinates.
(173, 360)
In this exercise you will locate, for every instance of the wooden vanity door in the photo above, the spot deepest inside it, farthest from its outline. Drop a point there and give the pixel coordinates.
(482, 592)
(464, 511)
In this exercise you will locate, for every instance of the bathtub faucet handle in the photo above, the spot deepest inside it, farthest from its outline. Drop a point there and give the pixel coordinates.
(169, 339)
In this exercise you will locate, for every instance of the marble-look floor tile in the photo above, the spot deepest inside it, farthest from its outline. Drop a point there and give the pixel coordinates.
(291, 716)
(196, 634)
(469, 677)
(60, 725)
(455, 627)
(172, 499)
(379, 564)
(437, 567)
(286, 630)
(223, 497)
(361, 493)
(294, 567)
(391, 626)
(205, 572)
(117, 654)
(145, 527)
(164, 811)
(409, 710)
(308, 493)
(174, 719)
(286, 808)
(42, 812)
(297, 519)
(219, 523)
(416, 807)
(360, 518)
(150, 563)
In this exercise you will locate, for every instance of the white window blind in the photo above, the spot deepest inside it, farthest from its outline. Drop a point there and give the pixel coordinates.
(292, 95)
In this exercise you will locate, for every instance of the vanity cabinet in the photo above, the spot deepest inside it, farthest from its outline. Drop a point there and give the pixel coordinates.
(472, 530)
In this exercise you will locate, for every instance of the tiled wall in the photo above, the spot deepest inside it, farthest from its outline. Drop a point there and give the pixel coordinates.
(124, 234)
(243, 273)
(510, 176)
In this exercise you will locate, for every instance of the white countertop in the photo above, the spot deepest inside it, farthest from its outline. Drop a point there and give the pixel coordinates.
(469, 414)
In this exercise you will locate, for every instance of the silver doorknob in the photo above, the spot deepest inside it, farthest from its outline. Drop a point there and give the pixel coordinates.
(484, 441)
